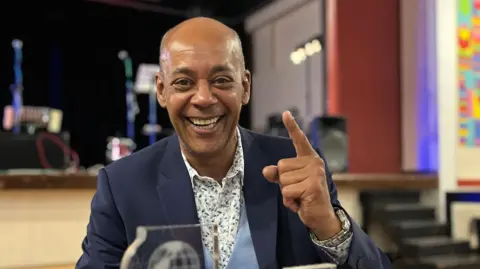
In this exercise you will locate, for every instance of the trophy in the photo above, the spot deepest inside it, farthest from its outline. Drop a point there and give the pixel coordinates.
(315, 266)
(172, 247)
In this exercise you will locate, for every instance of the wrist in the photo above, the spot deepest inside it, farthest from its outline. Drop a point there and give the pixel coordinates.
(329, 228)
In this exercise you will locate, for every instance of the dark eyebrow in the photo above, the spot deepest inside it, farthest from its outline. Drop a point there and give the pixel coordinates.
(220, 68)
(184, 70)
(189, 72)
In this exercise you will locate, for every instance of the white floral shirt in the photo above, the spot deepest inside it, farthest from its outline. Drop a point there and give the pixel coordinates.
(221, 203)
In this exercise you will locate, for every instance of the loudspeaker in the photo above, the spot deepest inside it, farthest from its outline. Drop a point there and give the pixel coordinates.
(329, 134)
(275, 126)
(26, 151)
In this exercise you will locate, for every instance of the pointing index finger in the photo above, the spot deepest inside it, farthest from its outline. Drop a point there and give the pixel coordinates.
(300, 141)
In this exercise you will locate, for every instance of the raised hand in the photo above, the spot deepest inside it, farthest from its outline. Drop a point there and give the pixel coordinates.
(303, 183)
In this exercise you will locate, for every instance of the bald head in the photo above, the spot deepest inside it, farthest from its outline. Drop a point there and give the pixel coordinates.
(201, 33)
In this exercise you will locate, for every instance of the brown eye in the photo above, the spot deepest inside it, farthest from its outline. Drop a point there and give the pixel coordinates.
(222, 81)
(182, 83)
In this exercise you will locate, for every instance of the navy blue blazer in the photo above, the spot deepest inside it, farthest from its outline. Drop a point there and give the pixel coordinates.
(152, 187)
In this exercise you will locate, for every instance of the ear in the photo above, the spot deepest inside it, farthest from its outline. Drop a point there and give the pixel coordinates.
(162, 100)
(247, 83)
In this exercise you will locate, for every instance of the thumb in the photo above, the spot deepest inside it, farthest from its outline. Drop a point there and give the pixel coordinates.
(271, 173)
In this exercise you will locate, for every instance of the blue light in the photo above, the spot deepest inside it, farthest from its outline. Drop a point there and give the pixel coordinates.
(467, 197)
(427, 117)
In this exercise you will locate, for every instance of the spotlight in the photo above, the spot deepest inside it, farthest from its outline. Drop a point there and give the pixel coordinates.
(316, 46)
(17, 43)
(298, 56)
(306, 50)
(295, 57)
(310, 49)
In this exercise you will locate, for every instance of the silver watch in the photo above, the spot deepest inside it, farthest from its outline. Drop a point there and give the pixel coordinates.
(340, 237)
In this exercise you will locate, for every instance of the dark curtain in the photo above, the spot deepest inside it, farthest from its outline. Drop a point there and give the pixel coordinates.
(70, 62)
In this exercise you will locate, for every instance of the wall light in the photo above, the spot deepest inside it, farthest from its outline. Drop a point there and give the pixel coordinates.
(308, 49)
(298, 56)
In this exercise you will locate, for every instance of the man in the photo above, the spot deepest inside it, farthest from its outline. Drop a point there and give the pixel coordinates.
(273, 198)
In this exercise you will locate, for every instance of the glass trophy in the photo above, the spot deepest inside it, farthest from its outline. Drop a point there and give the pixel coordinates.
(172, 247)
(315, 266)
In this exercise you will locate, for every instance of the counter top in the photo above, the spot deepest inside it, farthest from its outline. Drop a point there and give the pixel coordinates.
(43, 181)
(86, 181)
(387, 181)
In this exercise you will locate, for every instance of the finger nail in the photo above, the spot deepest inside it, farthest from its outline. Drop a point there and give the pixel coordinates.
(291, 115)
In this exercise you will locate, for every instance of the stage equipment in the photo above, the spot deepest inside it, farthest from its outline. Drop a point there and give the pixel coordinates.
(118, 147)
(131, 99)
(296, 116)
(275, 125)
(329, 134)
(32, 119)
(145, 83)
(17, 87)
(36, 151)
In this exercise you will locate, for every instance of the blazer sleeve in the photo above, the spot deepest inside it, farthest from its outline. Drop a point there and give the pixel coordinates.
(105, 242)
(363, 253)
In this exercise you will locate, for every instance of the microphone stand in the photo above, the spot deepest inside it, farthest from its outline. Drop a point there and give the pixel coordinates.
(131, 100)
(152, 115)
(146, 84)
(17, 88)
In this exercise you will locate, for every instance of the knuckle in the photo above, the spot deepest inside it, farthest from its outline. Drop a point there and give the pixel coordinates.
(285, 191)
(319, 161)
(315, 168)
(282, 164)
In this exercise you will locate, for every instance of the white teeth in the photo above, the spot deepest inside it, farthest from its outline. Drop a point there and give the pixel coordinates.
(204, 122)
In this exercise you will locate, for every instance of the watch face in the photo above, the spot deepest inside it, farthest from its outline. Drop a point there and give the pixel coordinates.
(343, 218)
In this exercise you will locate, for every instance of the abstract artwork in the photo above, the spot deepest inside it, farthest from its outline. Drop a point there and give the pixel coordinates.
(468, 37)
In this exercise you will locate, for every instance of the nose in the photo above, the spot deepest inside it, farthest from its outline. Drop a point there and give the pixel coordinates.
(203, 96)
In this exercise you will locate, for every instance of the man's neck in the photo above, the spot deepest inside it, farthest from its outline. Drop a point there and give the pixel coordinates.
(215, 166)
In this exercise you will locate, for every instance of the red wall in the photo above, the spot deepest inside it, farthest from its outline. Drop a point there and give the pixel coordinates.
(364, 80)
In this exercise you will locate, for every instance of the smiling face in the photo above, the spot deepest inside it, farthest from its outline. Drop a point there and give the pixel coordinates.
(203, 85)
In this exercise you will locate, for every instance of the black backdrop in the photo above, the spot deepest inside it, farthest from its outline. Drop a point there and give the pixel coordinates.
(70, 62)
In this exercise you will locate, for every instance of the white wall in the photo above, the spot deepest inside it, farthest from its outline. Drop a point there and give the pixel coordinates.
(278, 84)
(447, 97)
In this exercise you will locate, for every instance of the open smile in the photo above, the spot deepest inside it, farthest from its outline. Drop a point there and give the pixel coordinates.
(204, 124)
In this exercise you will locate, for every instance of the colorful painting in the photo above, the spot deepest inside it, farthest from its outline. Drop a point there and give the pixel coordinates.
(469, 72)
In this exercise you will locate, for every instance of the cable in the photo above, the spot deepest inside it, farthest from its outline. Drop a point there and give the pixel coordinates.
(57, 141)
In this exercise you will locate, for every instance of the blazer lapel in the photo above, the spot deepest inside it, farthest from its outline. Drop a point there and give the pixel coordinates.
(177, 199)
(261, 202)
(175, 187)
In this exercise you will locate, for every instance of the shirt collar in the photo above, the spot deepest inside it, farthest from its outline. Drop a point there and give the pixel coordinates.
(237, 167)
